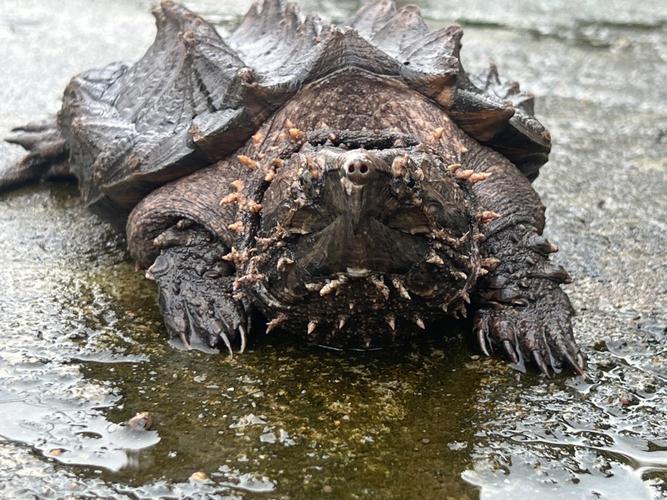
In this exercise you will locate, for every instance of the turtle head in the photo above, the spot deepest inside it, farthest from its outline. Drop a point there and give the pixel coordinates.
(350, 231)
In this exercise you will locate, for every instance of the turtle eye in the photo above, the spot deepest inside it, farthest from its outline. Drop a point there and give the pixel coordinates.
(305, 221)
(410, 221)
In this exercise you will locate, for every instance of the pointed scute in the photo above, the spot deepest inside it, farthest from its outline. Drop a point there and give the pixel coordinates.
(401, 30)
(194, 98)
(287, 49)
(370, 18)
(186, 71)
(274, 36)
(429, 60)
(525, 141)
(342, 48)
(497, 114)
(128, 128)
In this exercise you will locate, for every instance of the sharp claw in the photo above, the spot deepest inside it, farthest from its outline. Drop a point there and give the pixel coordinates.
(187, 331)
(225, 339)
(575, 366)
(481, 324)
(541, 364)
(481, 340)
(243, 338)
(578, 363)
(554, 362)
(581, 362)
(184, 339)
(509, 350)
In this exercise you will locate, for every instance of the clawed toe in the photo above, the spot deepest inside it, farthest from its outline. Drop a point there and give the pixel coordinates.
(510, 351)
(199, 314)
(235, 331)
(244, 339)
(222, 335)
(524, 336)
(482, 333)
(202, 326)
(176, 321)
(577, 363)
(539, 361)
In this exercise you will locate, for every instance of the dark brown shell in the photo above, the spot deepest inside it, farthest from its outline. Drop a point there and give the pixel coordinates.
(195, 98)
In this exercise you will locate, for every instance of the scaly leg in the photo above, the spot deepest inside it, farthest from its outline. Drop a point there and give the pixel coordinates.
(522, 311)
(196, 289)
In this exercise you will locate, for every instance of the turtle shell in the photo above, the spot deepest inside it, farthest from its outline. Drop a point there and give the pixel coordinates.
(194, 98)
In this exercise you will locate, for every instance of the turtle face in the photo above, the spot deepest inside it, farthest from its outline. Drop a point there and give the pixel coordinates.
(348, 231)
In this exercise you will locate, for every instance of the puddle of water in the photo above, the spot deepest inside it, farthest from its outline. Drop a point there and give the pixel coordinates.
(84, 348)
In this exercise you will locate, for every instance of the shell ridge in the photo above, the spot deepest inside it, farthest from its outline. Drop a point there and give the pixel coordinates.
(197, 97)
(188, 71)
(497, 114)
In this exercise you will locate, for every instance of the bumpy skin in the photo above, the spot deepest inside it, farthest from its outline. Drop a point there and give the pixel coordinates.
(350, 183)
(522, 310)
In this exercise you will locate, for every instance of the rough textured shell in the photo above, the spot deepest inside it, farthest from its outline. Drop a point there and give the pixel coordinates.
(194, 98)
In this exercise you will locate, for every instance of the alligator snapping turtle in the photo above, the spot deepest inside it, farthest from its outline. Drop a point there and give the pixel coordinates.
(352, 183)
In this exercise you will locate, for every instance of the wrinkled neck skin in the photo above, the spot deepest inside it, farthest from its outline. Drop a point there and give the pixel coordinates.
(365, 231)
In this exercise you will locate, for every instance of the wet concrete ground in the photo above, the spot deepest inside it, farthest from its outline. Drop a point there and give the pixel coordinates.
(84, 348)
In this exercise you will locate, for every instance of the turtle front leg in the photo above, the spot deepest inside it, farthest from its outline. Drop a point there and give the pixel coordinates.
(196, 294)
(522, 311)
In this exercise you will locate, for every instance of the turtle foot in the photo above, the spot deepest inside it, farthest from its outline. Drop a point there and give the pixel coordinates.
(538, 333)
(196, 293)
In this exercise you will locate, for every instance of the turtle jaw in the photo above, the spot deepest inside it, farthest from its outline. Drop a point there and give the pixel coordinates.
(360, 308)
(365, 305)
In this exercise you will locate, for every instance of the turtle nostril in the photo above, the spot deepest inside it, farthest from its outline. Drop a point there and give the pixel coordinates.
(357, 169)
